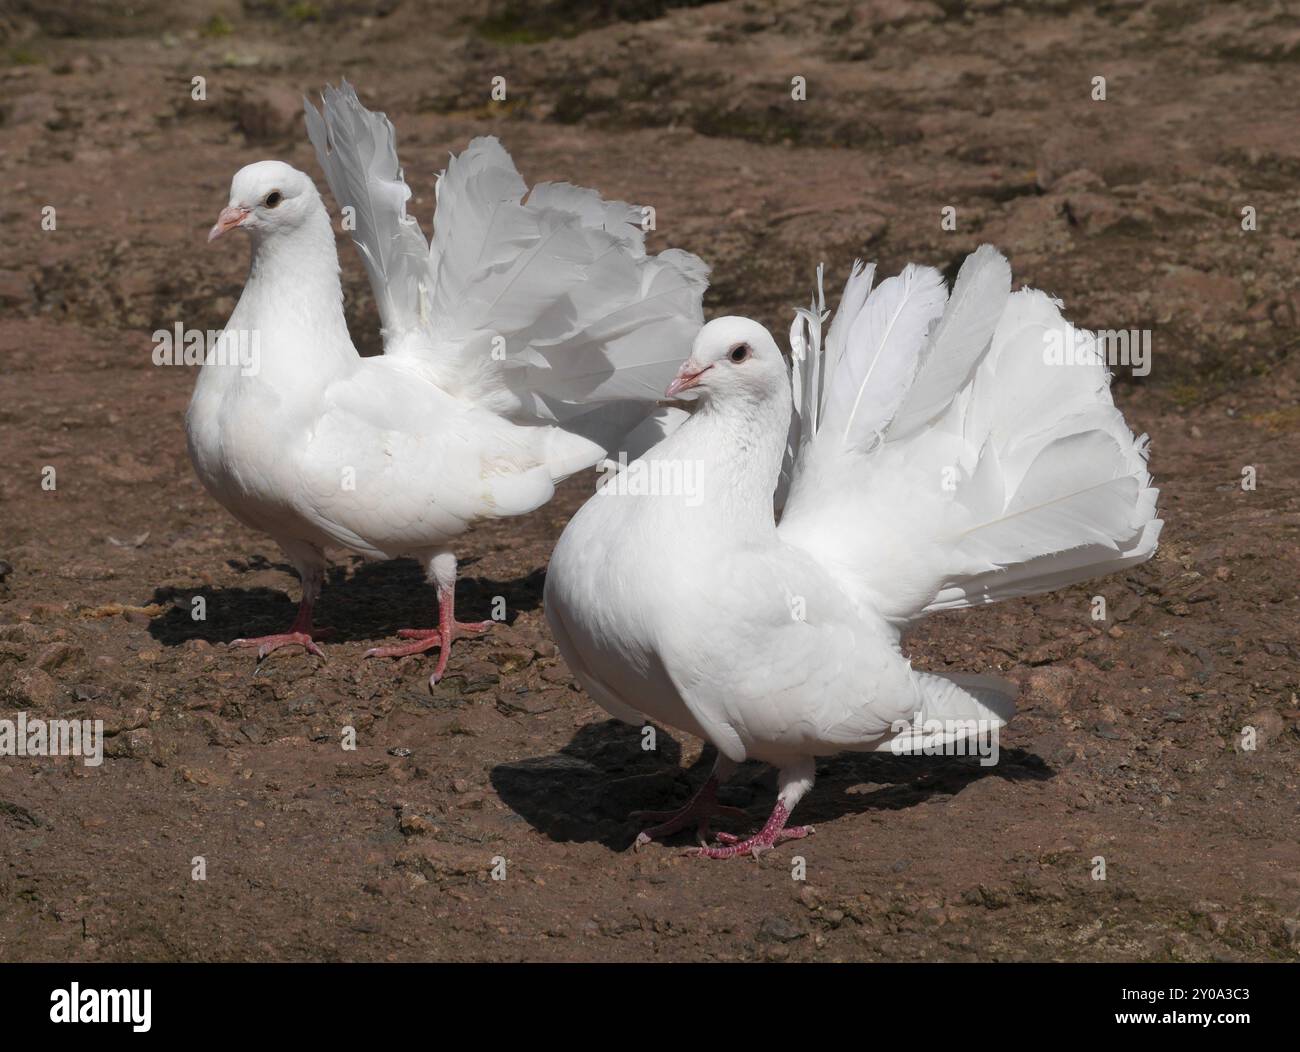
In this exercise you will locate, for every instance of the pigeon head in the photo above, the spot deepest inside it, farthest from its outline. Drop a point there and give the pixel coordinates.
(266, 198)
(732, 358)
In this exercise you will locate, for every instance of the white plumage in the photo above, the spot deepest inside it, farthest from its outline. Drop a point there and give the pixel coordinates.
(936, 460)
(520, 345)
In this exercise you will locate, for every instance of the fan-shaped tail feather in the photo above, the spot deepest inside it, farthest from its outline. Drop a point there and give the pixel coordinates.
(537, 306)
(1002, 469)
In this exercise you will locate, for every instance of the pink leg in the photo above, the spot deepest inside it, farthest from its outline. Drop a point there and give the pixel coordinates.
(300, 633)
(448, 627)
(795, 779)
(701, 807)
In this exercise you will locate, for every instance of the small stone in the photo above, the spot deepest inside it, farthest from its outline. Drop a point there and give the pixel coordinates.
(993, 898)
(529, 704)
(200, 776)
(119, 720)
(134, 745)
(305, 705)
(57, 655)
(1053, 685)
(779, 930)
(476, 677)
(415, 825)
(23, 632)
(511, 660)
(1107, 730)
(34, 688)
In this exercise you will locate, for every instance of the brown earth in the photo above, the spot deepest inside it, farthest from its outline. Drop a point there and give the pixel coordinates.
(1130, 741)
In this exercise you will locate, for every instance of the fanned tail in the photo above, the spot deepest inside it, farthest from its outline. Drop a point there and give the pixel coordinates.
(542, 307)
(997, 470)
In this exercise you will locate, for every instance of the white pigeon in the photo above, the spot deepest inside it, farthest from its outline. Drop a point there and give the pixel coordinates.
(939, 459)
(520, 345)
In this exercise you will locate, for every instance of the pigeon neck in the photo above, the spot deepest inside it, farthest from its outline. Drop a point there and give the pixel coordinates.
(293, 294)
(743, 442)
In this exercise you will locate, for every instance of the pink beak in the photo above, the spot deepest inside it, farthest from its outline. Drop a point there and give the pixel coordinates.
(230, 218)
(688, 376)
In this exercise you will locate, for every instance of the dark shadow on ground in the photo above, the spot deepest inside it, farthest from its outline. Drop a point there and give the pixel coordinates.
(589, 789)
(370, 605)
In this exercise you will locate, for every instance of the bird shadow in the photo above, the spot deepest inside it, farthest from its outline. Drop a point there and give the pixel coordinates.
(371, 603)
(588, 790)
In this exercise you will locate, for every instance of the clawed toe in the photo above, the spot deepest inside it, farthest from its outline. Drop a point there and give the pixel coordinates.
(423, 639)
(472, 627)
(701, 808)
(732, 846)
(267, 645)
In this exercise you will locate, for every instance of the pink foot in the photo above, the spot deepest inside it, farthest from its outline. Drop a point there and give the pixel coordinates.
(294, 637)
(427, 638)
(702, 806)
(773, 832)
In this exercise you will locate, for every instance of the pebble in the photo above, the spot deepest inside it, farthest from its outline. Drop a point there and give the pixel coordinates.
(34, 688)
(778, 930)
(1053, 685)
(136, 744)
(57, 655)
(512, 660)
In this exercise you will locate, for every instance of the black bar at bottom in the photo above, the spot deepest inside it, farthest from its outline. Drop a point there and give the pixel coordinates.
(387, 1001)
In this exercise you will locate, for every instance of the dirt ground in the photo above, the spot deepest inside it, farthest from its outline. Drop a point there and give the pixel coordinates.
(1129, 745)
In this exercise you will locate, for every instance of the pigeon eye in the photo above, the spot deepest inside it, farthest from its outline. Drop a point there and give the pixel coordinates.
(739, 353)
(273, 199)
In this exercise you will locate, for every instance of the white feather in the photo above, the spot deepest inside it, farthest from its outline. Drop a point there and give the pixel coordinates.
(881, 354)
(532, 305)
(959, 341)
(357, 150)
